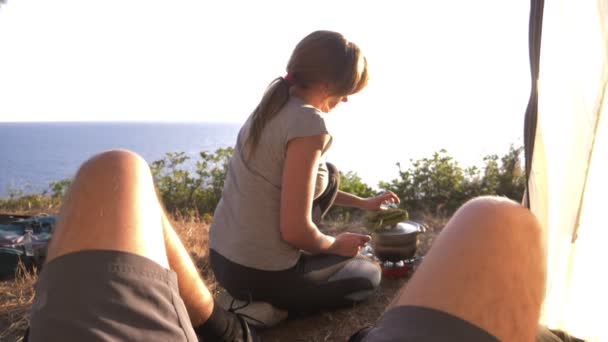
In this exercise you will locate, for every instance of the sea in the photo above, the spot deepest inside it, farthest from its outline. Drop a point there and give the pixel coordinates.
(32, 155)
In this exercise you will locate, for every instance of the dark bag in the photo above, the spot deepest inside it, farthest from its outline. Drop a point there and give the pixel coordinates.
(23, 240)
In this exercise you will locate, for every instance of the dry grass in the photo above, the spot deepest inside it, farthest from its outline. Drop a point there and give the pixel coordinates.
(16, 296)
(15, 299)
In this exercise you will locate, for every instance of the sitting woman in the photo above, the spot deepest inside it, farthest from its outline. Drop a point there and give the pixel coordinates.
(265, 245)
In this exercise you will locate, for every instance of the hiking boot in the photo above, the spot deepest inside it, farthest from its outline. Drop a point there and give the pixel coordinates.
(256, 314)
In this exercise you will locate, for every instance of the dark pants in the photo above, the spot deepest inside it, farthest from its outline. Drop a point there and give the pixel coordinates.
(316, 282)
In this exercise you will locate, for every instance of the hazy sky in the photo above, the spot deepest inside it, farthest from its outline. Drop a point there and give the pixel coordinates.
(444, 74)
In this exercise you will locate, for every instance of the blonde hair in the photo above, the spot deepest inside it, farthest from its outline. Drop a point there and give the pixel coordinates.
(321, 57)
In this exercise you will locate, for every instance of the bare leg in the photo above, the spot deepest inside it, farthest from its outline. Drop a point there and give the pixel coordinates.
(112, 205)
(194, 293)
(487, 267)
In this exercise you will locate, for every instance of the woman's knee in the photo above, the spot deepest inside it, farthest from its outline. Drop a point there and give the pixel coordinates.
(366, 274)
(334, 174)
(331, 168)
(360, 268)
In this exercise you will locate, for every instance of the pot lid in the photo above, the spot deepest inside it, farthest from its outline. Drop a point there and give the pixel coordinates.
(403, 228)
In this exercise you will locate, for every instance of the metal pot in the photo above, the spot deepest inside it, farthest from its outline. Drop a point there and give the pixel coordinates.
(399, 243)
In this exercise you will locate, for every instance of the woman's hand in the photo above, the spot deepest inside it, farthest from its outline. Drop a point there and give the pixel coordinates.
(348, 244)
(375, 203)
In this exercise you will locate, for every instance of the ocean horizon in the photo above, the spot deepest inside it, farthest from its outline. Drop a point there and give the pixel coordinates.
(34, 154)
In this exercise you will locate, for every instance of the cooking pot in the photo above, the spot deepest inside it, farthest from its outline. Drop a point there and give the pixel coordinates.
(398, 243)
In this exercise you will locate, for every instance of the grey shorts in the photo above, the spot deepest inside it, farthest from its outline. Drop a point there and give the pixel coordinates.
(108, 296)
(117, 296)
(419, 324)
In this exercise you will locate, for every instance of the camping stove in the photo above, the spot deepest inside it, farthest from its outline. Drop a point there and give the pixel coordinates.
(393, 268)
(399, 269)
(396, 248)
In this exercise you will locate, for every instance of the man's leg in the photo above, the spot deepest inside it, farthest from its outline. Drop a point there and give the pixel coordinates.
(487, 268)
(106, 274)
(112, 206)
(196, 296)
(211, 322)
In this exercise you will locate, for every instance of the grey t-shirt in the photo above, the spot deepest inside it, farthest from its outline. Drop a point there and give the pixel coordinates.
(245, 227)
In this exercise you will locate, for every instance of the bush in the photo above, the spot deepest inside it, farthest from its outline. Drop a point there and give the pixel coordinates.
(48, 200)
(350, 182)
(188, 193)
(438, 185)
(58, 189)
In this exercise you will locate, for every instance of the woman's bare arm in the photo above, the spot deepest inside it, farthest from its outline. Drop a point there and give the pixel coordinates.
(299, 176)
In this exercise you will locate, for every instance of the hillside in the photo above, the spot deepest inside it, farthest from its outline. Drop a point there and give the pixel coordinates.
(16, 296)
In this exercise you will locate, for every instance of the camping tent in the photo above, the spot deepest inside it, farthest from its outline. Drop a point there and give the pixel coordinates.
(566, 138)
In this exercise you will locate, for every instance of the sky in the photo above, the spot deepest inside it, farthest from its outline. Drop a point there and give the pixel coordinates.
(443, 74)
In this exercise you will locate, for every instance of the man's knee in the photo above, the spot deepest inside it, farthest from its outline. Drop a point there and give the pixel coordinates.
(493, 201)
(111, 204)
(496, 227)
(113, 170)
(114, 161)
(494, 211)
(117, 179)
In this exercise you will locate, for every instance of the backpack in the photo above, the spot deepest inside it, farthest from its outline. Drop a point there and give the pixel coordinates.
(23, 240)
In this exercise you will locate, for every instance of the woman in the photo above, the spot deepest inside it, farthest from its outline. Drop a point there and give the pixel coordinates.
(264, 244)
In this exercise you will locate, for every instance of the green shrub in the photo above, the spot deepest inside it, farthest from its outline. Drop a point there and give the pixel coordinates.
(47, 201)
(191, 192)
(350, 182)
(438, 185)
(58, 189)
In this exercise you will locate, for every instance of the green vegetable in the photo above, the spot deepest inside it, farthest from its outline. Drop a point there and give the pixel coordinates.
(384, 219)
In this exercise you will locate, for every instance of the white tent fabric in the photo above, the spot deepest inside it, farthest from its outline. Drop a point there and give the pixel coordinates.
(568, 183)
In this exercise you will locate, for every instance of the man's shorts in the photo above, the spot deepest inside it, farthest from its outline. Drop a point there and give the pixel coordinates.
(419, 324)
(118, 296)
(109, 296)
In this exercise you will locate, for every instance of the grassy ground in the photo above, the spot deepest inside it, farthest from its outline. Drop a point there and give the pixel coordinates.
(16, 296)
